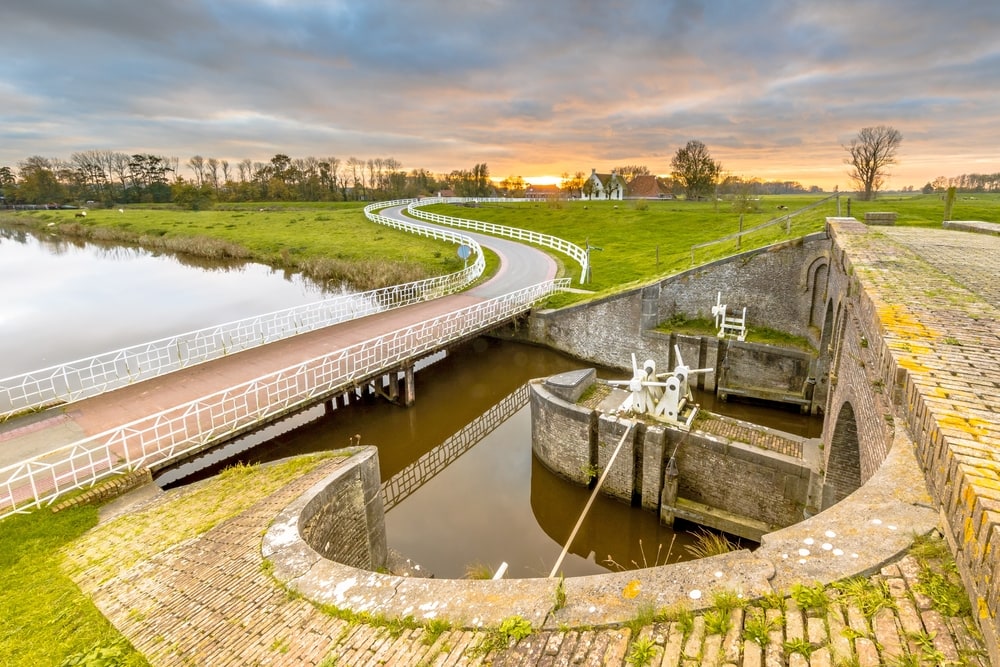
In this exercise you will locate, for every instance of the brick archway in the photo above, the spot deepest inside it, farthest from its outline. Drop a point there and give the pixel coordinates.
(843, 461)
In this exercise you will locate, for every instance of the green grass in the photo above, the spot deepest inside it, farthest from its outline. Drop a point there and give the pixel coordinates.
(636, 243)
(44, 617)
(640, 241)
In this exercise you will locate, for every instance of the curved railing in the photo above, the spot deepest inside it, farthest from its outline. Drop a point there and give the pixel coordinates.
(97, 374)
(579, 254)
(183, 429)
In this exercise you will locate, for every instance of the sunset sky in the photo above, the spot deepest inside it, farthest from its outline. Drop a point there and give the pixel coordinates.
(773, 88)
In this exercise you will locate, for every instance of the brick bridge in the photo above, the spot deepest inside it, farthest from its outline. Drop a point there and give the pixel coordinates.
(906, 320)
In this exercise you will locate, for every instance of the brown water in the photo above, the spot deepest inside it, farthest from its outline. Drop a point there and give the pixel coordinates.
(496, 503)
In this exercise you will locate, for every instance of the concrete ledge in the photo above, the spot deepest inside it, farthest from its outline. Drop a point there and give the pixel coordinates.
(869, 528)
(880, 218)
(973, 226)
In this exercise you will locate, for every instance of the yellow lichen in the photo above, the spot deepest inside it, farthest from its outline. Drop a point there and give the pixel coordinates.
(631, 589)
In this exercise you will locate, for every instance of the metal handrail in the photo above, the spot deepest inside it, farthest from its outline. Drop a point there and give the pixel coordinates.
(580, 255)
(90, 376)
(180, 430)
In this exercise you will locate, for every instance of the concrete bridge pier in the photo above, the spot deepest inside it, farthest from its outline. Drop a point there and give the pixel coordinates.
(409, 386)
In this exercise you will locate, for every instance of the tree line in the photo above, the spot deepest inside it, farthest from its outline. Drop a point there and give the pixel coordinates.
(110, 177)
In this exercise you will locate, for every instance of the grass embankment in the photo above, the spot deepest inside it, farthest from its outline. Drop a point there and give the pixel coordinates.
(331, 244)
(640, 241)
(46, 620)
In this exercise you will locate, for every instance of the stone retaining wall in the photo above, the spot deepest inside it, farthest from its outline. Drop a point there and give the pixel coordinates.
(769, 489)
(341, 518)
(777, 284)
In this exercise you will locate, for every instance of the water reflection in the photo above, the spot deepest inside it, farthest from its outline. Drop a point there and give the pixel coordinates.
(65, 299)
(69, 299)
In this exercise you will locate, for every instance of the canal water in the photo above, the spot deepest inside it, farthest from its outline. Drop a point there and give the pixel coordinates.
(493, 504)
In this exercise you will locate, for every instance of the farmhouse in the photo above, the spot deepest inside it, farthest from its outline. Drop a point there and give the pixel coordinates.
(604, 186)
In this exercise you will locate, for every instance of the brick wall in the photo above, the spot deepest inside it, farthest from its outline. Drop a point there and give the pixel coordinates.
(343, 519)
(734, 477)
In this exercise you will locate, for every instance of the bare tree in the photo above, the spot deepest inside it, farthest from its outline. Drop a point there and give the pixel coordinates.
(212, 164)
(197, 165)
(871, 153)
(246, 169)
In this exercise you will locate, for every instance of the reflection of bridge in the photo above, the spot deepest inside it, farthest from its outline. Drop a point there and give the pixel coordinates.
(421, 471)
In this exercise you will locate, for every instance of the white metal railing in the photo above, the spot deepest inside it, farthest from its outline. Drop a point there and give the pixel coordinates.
(580, 255)
(178, 431)
(405, 482)
(94, 375)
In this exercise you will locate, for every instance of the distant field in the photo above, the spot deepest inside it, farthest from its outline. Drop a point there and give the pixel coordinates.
(637, 241)
(640, 241)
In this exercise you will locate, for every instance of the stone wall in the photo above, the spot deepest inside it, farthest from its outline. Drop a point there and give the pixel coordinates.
(776, 284)
(740, 479)
(766, 488)
(342, 517)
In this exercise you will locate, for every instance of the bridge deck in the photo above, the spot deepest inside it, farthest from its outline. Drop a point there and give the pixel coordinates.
(23, 438)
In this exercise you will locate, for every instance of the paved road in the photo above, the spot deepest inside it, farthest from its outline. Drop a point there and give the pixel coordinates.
(520, 265)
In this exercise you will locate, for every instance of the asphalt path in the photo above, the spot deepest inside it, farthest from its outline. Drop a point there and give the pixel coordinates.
(520, 265)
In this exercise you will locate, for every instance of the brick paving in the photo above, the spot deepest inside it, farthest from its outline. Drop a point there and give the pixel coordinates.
(210, 601)
(758, 436)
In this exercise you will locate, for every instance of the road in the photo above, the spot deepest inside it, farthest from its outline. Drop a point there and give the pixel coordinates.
(520, 265)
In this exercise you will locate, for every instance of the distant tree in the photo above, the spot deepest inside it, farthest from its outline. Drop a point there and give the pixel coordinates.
(39, 184)
(513, 186)
(481, 177)
(8, 184)
(192, 196)
(871, 153)
(212, 167)
(573, 186)
(695, 170)
(197, 165)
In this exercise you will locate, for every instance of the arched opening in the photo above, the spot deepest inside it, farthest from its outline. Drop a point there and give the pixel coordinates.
(818, 277)
(843, 463)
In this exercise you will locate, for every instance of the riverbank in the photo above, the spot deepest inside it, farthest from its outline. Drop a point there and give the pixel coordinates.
(329, 246)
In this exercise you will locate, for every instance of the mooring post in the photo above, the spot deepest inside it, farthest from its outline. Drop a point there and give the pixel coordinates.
(668, 497)
(409, 386)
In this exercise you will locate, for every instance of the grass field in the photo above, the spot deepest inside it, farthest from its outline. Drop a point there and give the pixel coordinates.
(640, 241)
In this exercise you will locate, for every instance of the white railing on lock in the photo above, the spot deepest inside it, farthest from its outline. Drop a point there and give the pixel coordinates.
(178, 431)
(580, 255)
(94, 375)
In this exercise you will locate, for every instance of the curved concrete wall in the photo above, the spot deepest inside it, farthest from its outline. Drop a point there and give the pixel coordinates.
(830, 546)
